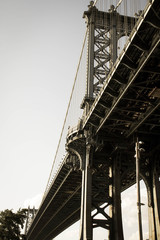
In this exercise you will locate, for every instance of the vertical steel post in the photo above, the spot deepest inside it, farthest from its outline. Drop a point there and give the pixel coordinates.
(82, 205)
(116, 231)
(86, 230)
(113, 33)
(151, 214)
(154, 202)
(90, 18)
(151, 219)
(138, 190)
(90, 73)
(156, 199)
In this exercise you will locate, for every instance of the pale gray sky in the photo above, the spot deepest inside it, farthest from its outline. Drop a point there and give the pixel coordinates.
(40, 45)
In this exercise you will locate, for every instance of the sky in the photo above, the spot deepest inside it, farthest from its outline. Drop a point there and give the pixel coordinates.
(40, 45)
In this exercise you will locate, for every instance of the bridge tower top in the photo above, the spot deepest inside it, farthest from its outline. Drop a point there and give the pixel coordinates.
(30, 216)
(104, 31)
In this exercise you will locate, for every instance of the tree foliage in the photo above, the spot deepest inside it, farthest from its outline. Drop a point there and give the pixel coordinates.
(11, 224)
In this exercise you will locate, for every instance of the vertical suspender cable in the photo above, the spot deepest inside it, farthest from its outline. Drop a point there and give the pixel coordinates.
(95, 2)
(66, 113)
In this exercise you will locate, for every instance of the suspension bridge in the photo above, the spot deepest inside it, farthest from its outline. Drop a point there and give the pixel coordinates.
(113, 108)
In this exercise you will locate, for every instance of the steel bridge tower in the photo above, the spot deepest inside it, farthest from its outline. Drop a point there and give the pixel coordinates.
(102, 174)
(31, 212)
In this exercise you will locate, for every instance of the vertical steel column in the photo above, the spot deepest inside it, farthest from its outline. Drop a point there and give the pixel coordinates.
(86, 230)
(151, 218)
(113, 34)
(154, 203)
(82, 204)
(90, 17)
(116, 232)
(90, 72)
(138, 190)
(156, 200)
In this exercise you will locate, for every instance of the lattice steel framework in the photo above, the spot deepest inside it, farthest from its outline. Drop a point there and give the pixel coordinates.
(104, 31)
(31, 212)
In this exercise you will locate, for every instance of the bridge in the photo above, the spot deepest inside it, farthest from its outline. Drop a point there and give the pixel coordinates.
(99, 154)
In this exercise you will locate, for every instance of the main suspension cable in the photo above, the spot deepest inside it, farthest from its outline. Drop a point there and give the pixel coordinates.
(120, 1)
(95, 2)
